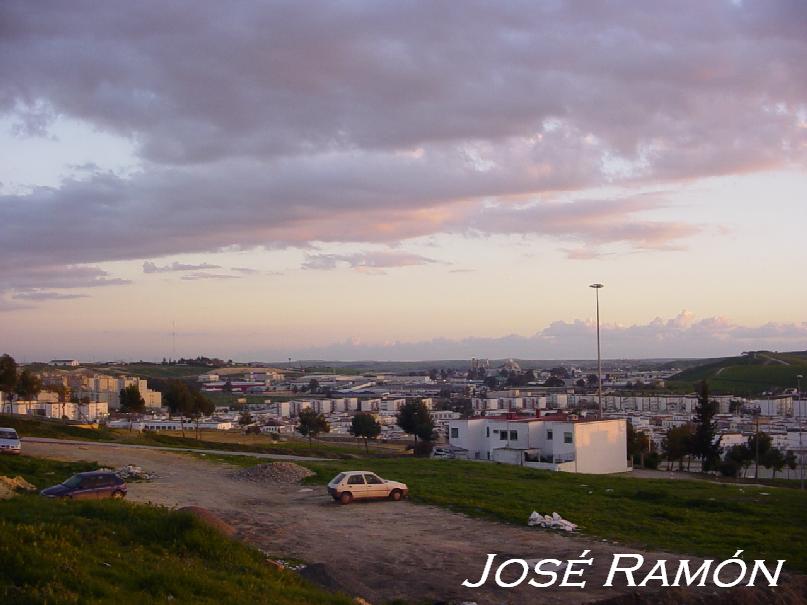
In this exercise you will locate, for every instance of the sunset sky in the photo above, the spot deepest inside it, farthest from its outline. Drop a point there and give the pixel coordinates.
(402, 180)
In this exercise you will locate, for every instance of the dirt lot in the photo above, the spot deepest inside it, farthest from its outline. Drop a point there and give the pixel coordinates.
(378, 550)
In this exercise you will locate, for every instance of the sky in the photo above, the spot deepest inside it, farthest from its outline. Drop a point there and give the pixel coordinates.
(402, 180)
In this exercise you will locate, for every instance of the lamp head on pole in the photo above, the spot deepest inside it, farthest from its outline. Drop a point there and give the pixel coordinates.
(596, 286)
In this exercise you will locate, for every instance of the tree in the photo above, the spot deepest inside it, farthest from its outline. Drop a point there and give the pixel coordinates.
(28, 385)
(759, 444)
(131, 400)
(313, 386)
(774, 459)
(791, 461)
(491, 382)
(554, 381)
(705, 443)
(414, 418)
(179, 400)
(365, 426)
(200, 406)
(310, 424)
(677, 444)
(8, 375)
(638, 444)
(245, 418)
(738, 457)
(227, 387)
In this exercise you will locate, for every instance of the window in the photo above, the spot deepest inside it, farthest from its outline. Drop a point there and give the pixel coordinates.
(503, 436)
(355, 480)
(373, 480)
(549, 435)
(567, 437)
(487, 432)
(513, 435)
(455, 432)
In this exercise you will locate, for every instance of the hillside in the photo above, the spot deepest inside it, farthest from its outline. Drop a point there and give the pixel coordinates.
(752, 373)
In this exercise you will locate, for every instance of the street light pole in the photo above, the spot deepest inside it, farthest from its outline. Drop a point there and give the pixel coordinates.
(801, 443)
(597, 288)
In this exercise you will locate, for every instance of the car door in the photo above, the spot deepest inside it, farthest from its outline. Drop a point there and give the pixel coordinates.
(104, 486)
(85, 490)
(376, 488)
(357, 486)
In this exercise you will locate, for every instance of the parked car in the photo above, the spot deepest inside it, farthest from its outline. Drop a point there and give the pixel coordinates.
(362, 485)
(93, 485)
(9, 441)
(442, 452)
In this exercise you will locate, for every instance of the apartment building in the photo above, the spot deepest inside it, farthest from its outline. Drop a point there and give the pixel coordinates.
(557, 442)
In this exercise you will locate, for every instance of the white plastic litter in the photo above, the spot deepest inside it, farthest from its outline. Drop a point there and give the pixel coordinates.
(553, 521)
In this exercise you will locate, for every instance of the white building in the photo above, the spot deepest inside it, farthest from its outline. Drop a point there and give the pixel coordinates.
(552, 442)
(71, 363)
(87, 412)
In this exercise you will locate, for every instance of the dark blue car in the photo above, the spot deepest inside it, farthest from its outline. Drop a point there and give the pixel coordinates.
(94, 485)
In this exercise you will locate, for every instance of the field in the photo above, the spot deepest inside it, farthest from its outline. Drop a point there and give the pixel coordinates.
(747, 375)
(221, 440)
(694, 517)
(100, 552)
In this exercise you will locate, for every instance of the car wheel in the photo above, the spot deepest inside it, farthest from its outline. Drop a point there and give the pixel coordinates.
(345, 498)
(395, 495)
(117, 495)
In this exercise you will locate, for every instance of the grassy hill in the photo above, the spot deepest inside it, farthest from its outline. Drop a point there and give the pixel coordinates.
(113, 551)
(693, 517)
(752, 373)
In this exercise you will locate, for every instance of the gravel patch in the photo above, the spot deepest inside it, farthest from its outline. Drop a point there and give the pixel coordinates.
(275, 472)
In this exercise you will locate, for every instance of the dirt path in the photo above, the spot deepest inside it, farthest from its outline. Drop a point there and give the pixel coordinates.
(378, 550)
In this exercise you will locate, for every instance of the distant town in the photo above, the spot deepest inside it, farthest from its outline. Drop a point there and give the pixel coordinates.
(478, 409)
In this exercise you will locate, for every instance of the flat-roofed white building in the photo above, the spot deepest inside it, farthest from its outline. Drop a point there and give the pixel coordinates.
(553, 442)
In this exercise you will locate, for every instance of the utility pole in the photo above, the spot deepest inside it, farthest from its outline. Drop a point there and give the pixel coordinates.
(801, 442)
(597, 288)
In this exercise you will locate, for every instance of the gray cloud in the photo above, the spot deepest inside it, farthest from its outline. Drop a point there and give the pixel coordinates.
(363, 261)
(150, 267)
(201, 276)
(273, 124)
(57, 277)
(39, 295)
(681, 336)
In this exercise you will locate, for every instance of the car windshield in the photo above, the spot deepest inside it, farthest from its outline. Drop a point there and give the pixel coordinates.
(74, 481)
(8, 434)
(338, 478)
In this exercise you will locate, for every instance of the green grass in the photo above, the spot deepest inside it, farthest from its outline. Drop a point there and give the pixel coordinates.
(40, 471)
(111, 551)
(35, 427)
(746, 375)
(153, 370)
(54, 429)
(693, 517)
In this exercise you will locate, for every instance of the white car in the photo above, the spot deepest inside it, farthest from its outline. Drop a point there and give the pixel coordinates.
(442, 452)
(9, 441)
(360, 485)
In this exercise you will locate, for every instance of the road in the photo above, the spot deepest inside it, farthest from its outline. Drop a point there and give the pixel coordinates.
(377, 550)
(31, 440)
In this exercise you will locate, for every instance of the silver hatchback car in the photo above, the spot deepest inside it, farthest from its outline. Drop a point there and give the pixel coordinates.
(9, 441)
(362, 485)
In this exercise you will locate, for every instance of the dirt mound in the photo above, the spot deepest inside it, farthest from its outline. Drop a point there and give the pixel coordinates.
(209, 519)
(275, 472)
(10, 486)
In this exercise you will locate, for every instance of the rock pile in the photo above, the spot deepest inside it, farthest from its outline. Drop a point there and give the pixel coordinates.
(9, 486)
(553, 521)
(132, 473)
(275, 472)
